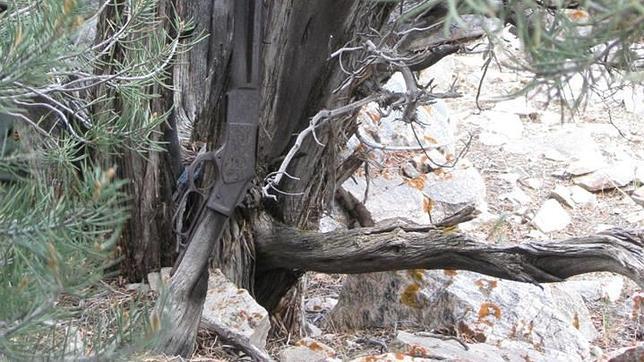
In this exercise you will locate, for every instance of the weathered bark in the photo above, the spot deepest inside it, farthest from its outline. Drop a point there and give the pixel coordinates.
(400, 246)
(180, 310)
(146, 241)
(297, 82)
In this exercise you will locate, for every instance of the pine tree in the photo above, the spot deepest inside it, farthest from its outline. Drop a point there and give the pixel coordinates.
(62, 208)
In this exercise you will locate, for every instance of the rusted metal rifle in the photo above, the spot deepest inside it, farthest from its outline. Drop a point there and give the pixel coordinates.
(235, 158)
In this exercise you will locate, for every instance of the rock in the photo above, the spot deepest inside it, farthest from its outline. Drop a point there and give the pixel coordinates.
(138, 287)
(551, 217)
(391, 357)
(596, 353)
(628, 354)
(638, 196)
(233, 308)
(506, 125)
(435, 348)
(484, 218)
(573, 141)
(536, 235)
(633, 98)
(333, 219)
(303, 354)
(636, 217)
(517, 197)
(563, 195)
(455, 188)
(504, 351)
(510, 177)
(477, 307)
(602, 227)
(554, 155)
(312, 330)
(573, 196)
(329, 223)
(409, 170)
(391, 197)
(433, 128)
(492, 139)
(617, 175)
(320, 304)
(550, 118)
(165, 275)
(532, 183)
(154, 281)
(609, 288)
(442, 73)
(308, 350)
(633, 308)
(639, 173)
(74, 343)
(426, 164)
(518, 105)
(584, 166)
(158, 280)
(582, 197)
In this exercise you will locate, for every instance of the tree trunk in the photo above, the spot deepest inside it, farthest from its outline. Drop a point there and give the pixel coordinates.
(268, 236)
(298, 79)
(147, 242)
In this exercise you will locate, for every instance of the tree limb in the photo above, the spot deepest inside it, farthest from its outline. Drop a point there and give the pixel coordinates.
(410, 246)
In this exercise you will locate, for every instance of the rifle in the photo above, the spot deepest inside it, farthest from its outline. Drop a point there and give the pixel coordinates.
(235, 158)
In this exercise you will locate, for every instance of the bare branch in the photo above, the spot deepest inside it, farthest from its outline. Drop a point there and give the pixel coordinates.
(320, 118)
(397, 246)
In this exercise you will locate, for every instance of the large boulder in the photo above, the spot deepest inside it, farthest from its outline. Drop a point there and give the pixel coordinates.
(479, 308)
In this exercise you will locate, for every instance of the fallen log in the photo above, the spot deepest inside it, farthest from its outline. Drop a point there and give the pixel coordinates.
(402, 245)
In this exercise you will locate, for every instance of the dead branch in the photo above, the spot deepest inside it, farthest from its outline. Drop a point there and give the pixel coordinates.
(352, 206)
(409, 246)
(241, 341)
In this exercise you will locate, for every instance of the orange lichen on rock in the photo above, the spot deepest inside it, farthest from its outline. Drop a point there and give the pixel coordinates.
(430, 139)
(575, 321)
(416, 274)
(450, 272)
(488, 309)
(469, 334)
(375, 116)
(315, 346)
(410, 295)
(577, 15)
(417, 182)
(638, 300)
(418, 351)
(486, 285)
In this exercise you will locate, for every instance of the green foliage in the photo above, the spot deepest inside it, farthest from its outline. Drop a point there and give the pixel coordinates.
(66, 105)
(584, 41)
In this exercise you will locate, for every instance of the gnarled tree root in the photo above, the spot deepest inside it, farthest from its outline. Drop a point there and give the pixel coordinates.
(408, 246)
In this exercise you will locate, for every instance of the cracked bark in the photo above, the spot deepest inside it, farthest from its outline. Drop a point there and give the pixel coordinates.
(406, 246)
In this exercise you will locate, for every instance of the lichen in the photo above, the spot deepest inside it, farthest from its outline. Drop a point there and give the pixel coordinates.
(488, 309)
(409, 296)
